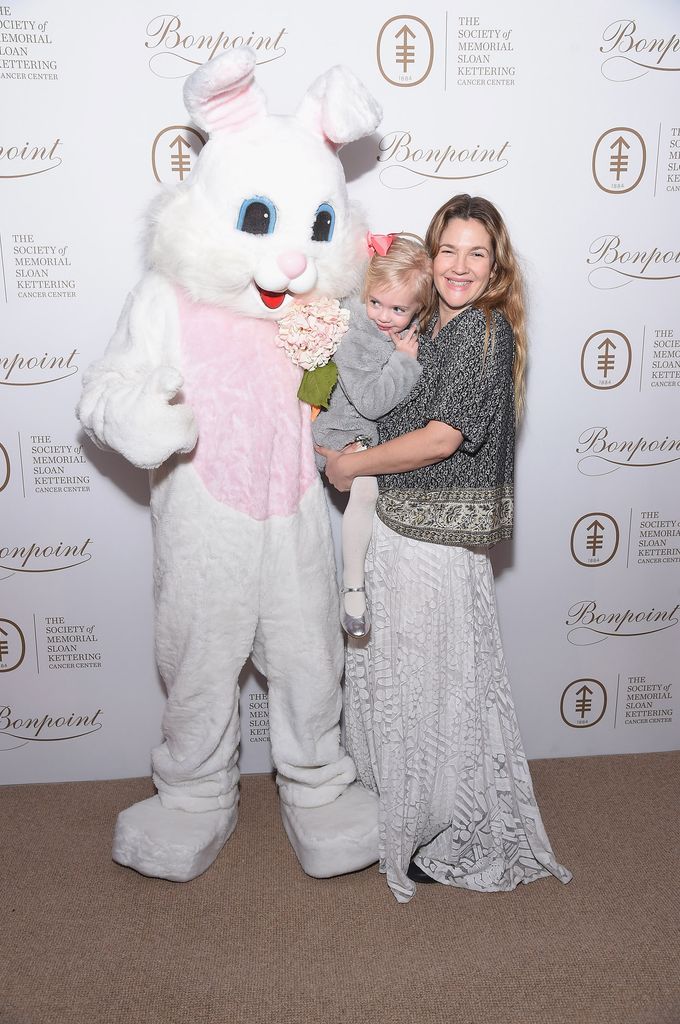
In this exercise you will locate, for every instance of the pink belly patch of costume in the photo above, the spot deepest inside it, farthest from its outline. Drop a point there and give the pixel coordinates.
(254, 449)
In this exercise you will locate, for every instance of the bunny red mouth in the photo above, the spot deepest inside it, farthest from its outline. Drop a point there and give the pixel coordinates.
(272, 300)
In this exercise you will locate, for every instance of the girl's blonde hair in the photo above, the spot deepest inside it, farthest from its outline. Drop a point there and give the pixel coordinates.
(406, 265)
(505, 290)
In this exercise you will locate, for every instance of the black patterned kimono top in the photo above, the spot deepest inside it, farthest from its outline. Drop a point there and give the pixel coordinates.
(467, 499)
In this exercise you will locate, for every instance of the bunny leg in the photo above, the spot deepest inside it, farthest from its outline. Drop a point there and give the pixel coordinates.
(204, 558)
(331, 822)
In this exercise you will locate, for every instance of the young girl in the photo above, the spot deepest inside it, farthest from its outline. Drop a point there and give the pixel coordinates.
(377, 368)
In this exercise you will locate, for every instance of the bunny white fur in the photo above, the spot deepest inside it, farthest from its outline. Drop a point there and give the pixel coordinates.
(242, 548)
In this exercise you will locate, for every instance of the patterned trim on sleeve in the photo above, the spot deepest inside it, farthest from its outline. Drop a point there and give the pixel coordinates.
(474, 517)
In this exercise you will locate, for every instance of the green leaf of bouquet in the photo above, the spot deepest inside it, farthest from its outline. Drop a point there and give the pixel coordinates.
(316, 385)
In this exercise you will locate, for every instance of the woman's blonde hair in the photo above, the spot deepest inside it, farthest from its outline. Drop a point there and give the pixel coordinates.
(406, 265)
(505, 290)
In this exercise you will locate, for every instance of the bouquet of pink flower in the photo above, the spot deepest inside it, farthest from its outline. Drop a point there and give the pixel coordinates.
(309, 335)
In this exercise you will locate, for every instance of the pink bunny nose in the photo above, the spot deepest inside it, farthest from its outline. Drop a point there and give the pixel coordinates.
(292, 263)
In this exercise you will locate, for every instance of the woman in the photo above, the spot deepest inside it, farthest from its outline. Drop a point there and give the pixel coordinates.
(429, 714)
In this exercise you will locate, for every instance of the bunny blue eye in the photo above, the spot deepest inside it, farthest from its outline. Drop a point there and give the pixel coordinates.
(324, 222)
(257, 216)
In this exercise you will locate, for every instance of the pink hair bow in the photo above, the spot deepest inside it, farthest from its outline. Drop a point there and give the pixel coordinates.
(378, 245)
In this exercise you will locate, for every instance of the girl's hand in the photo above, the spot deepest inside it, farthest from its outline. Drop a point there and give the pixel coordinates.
(407, 341)
(337, 474)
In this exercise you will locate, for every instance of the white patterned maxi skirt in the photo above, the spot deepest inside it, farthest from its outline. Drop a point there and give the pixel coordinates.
(431, 724)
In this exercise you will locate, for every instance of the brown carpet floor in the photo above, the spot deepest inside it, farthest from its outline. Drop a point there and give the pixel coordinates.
(85, 941)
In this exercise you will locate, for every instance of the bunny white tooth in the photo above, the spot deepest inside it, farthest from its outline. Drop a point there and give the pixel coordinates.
(268, 275)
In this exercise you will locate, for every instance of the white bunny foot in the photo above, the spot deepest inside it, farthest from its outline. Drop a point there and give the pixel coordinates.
(335, 838)
(167, 843)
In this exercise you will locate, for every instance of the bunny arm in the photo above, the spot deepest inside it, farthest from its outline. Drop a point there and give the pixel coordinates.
(126, 399)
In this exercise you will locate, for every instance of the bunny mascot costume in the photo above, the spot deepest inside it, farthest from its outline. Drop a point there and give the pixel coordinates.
(194, 387)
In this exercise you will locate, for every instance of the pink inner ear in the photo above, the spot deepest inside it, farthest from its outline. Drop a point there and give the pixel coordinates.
(232, 108)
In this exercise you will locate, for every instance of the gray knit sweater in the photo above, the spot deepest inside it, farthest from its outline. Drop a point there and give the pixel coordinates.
(372, 379)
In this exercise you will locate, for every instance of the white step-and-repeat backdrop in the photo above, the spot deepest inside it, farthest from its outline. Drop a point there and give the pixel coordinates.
(567, 119)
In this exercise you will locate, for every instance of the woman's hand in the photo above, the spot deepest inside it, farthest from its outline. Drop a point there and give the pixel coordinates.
(423, 447)
(338, 467)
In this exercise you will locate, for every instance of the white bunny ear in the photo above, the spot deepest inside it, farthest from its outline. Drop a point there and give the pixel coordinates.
(340, 108)
(222, 95)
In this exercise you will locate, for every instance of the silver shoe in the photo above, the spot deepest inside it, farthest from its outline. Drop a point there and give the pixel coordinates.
(355, 625)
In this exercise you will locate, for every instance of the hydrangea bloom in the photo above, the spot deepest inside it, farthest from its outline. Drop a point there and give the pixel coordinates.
(311, 333)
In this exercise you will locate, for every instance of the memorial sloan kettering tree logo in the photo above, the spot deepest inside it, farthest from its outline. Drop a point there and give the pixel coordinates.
(606, 359)
(600, 453)
(405, 50)
(619, 160)
(12, 645)
(174, 152)
(614, 264)
(631, 51)
(594, 539)
(583, 703)
(178, 48)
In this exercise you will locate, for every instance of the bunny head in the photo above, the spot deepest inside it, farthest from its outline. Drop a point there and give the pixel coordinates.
(264, 220)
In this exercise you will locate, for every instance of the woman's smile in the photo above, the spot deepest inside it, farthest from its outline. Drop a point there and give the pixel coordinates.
(458, 283)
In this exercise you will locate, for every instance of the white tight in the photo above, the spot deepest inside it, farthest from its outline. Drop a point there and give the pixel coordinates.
(357, 526)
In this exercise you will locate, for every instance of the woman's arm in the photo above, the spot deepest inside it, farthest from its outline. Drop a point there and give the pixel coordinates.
(423, 447)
